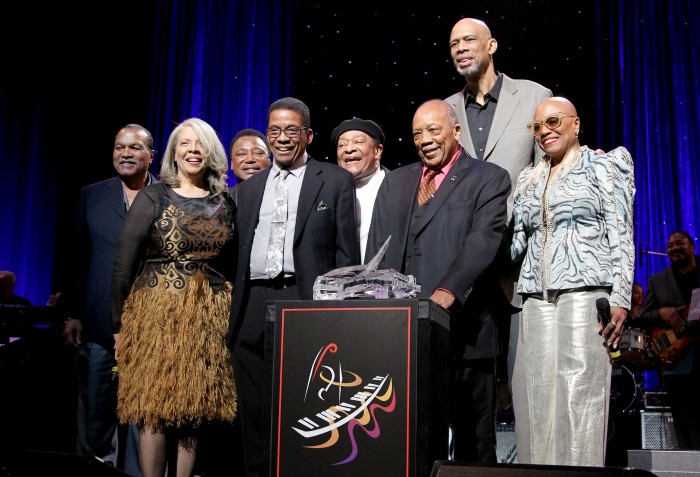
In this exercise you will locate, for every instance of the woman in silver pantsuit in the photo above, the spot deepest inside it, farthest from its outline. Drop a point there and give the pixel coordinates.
(572, 227)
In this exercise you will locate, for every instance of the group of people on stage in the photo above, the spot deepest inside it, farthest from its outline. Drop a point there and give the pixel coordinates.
(504, 211)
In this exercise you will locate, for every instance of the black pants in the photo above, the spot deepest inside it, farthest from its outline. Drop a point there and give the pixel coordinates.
(252, 362)
(683, 391)
(473, 410)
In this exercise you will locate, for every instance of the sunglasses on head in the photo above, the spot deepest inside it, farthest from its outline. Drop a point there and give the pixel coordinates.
(552, 122)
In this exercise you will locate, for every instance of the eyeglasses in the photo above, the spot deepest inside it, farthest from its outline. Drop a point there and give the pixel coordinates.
(552, 122)
(289, 131)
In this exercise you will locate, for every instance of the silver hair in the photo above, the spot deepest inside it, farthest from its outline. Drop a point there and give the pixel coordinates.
(215, 159)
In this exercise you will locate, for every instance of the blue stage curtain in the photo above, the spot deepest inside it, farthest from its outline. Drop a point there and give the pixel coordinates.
(27, 197)
(649, 102)
(223, 61)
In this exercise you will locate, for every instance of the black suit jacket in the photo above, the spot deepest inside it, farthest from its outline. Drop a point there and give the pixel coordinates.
(662, 291)
(456, 240)
(325, 236)
(100, 218)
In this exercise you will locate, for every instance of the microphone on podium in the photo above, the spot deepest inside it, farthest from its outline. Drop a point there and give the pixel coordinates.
(603, 307)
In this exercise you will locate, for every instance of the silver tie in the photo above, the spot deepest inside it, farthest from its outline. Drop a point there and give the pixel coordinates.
(275, 247)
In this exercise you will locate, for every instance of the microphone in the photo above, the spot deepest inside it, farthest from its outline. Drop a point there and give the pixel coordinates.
(603, 307)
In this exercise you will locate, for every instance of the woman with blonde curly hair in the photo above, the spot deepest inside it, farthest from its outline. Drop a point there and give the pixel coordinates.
(171, 300)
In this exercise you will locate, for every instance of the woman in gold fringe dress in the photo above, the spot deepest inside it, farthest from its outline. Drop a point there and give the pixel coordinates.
(171, 301)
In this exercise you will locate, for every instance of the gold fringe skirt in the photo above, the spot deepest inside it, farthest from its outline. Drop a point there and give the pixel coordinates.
(174, 366)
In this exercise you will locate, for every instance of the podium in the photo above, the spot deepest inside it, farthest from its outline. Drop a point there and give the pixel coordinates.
(360, 387)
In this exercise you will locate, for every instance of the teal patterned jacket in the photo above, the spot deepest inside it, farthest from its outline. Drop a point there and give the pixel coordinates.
(577, 232)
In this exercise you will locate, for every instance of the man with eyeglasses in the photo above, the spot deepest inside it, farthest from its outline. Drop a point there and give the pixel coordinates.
(319, 236)
(493, 110)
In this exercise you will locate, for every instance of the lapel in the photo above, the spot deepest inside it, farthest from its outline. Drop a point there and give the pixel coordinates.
(310, 189)
(458, 105)
(115, 197)
(249, 214)
(673, 290)
(457, 173)
(507, 103)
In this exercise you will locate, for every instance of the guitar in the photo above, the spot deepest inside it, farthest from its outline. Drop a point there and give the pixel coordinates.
(668, 345)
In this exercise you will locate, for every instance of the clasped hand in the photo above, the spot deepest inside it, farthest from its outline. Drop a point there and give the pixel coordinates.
(612, 333)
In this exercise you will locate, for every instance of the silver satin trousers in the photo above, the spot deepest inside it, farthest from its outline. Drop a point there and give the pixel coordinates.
(561, 381)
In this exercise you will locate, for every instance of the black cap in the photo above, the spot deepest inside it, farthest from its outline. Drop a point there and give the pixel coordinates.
(356, 124)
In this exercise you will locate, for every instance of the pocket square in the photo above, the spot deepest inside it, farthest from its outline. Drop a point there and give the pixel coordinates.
(322, 206)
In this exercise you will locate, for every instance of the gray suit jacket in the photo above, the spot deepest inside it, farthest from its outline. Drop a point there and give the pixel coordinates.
(509, 145)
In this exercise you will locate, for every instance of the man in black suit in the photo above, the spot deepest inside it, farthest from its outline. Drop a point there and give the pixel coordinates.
(668, 294)
(448, 244)
(320, 236)
(103, 206)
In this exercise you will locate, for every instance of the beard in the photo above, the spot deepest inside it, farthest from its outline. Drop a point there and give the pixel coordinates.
(681, 261)
(469, 71)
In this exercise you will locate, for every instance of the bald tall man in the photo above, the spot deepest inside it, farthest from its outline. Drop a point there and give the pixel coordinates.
(493, 111)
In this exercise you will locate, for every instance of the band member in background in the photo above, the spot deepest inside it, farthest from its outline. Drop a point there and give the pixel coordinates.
(664, 315)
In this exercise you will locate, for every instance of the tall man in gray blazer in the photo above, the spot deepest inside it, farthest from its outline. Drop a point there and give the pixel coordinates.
(448, 244)
(320, 236)
(493, 111)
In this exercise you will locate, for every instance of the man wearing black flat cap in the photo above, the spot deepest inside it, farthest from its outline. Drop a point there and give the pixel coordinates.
(359, 146)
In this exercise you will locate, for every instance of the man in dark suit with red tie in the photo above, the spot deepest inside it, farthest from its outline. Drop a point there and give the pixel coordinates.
(319, 235)
(448, 243)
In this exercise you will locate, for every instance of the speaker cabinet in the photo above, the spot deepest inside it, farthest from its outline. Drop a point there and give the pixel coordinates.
(505, 439)
(658, 431)
(444, 468)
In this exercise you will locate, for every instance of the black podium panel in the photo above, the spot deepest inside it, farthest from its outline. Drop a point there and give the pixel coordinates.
(360, 387)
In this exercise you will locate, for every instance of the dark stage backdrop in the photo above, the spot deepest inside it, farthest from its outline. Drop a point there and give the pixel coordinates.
(69, 84)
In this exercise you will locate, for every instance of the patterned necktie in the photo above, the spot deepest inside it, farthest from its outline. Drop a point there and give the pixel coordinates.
(427, 187)
(275, 247)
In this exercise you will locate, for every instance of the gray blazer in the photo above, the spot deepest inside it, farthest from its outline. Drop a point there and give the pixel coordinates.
(509, 145)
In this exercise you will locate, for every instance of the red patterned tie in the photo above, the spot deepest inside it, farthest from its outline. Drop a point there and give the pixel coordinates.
(427, 187)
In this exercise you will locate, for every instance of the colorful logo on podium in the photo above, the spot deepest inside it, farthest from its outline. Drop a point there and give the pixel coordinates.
(344, 405)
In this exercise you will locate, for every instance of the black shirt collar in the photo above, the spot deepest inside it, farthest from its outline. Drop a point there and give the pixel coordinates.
(492, 95)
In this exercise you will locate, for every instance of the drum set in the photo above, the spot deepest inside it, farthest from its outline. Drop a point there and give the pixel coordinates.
(633, 374)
